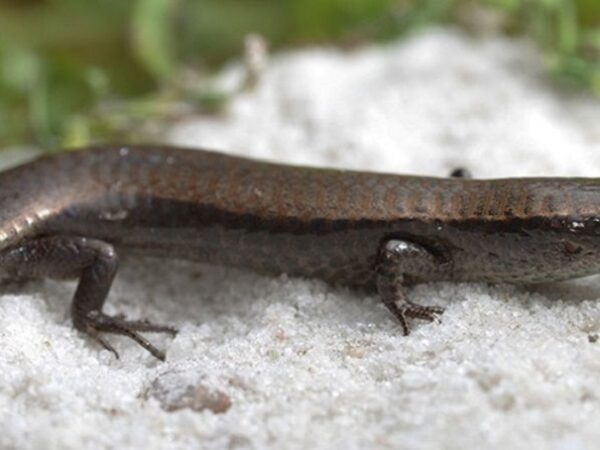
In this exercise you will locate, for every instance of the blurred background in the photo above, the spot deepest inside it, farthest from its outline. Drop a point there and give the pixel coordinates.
(79, 71)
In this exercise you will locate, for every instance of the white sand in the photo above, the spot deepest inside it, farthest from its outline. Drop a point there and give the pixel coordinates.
(298, 364)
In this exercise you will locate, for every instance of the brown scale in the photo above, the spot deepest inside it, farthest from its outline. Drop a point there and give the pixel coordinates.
(380, 232)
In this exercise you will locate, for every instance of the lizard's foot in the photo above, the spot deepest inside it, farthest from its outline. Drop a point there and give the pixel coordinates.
(95, 323)
(396, 259)
(414, 311)
(429, 313)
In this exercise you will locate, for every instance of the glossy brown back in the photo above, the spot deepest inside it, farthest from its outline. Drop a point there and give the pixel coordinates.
(302, 221)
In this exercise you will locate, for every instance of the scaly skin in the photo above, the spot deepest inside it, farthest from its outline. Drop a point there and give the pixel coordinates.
(70, 215)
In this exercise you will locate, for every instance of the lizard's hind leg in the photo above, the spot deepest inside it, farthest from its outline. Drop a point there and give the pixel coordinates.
(95, 263)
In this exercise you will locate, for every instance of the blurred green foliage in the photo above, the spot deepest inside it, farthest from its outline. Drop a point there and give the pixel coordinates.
(72, 71)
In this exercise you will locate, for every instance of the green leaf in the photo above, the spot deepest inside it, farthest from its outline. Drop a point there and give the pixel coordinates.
(152, 32)
(21, 70)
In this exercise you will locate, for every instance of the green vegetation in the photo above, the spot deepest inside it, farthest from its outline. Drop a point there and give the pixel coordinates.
(72, 71)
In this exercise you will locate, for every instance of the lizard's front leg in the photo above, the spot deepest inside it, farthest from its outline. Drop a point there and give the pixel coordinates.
(397, 262)
(95, 263)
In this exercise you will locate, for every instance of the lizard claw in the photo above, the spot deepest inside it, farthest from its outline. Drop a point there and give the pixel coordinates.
(97, 322)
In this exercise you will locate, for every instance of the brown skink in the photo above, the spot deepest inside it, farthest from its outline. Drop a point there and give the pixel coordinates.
(70, 215)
